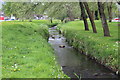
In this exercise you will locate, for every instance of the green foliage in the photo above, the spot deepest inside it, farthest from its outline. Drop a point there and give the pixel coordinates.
(105, 49)
(58, 10)
(21, 10)
(26, 53)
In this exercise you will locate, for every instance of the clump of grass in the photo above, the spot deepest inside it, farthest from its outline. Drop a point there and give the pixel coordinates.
(52, 24)
(104, 49)
(26, 53)
(47, 22)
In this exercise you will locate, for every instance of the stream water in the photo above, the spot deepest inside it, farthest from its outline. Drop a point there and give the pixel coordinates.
(73, 63)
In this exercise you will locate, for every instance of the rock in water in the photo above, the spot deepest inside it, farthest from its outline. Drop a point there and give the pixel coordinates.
(53, 37)
(96, 74)
(63, 66)
(62, 46)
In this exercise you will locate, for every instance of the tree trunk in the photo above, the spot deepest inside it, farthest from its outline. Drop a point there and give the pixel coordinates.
(93, 15)
(84, 16)
(81, 17)
(62, 20)
(119, 14)
(103, 19)
(30, 20)
(109, 7)
(96, 15)
(51, 20)
(90, 17)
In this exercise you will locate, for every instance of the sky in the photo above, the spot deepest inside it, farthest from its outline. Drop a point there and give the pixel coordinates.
(1, 4)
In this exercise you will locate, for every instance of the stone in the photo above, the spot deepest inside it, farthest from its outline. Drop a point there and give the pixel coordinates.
(95, 74)
(62, 46)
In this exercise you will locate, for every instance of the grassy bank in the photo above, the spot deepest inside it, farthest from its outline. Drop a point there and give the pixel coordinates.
(46, 22)
(26, 53)
(104, 49)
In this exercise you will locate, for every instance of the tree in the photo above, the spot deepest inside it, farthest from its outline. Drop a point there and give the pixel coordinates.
(118, 11)
(83, 14)
(90, 17)
(69, 12)
(96, 15)
(21, 10)
(60, 10)
(109, 8)
(103, 19)
(93, 7)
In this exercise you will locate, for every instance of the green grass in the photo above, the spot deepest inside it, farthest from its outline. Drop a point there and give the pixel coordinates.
(46, 22)
(26, 53)
(105, 49)
(0, 51)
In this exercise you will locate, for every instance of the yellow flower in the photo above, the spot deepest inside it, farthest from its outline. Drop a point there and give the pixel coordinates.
(15, 70)
(3, 67)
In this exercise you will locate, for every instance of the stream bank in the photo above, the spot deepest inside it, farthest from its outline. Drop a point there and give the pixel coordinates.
(73, 63)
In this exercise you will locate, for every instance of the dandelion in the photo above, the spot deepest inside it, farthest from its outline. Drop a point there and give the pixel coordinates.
(61, 68)
(116, 42)
(23, 56)
(14, 70)
(114, 45)
(15, 66)
(89, 37)
(10, 48)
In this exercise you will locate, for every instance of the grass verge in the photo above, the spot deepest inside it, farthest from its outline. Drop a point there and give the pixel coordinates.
(26, 53)
(104, 49)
